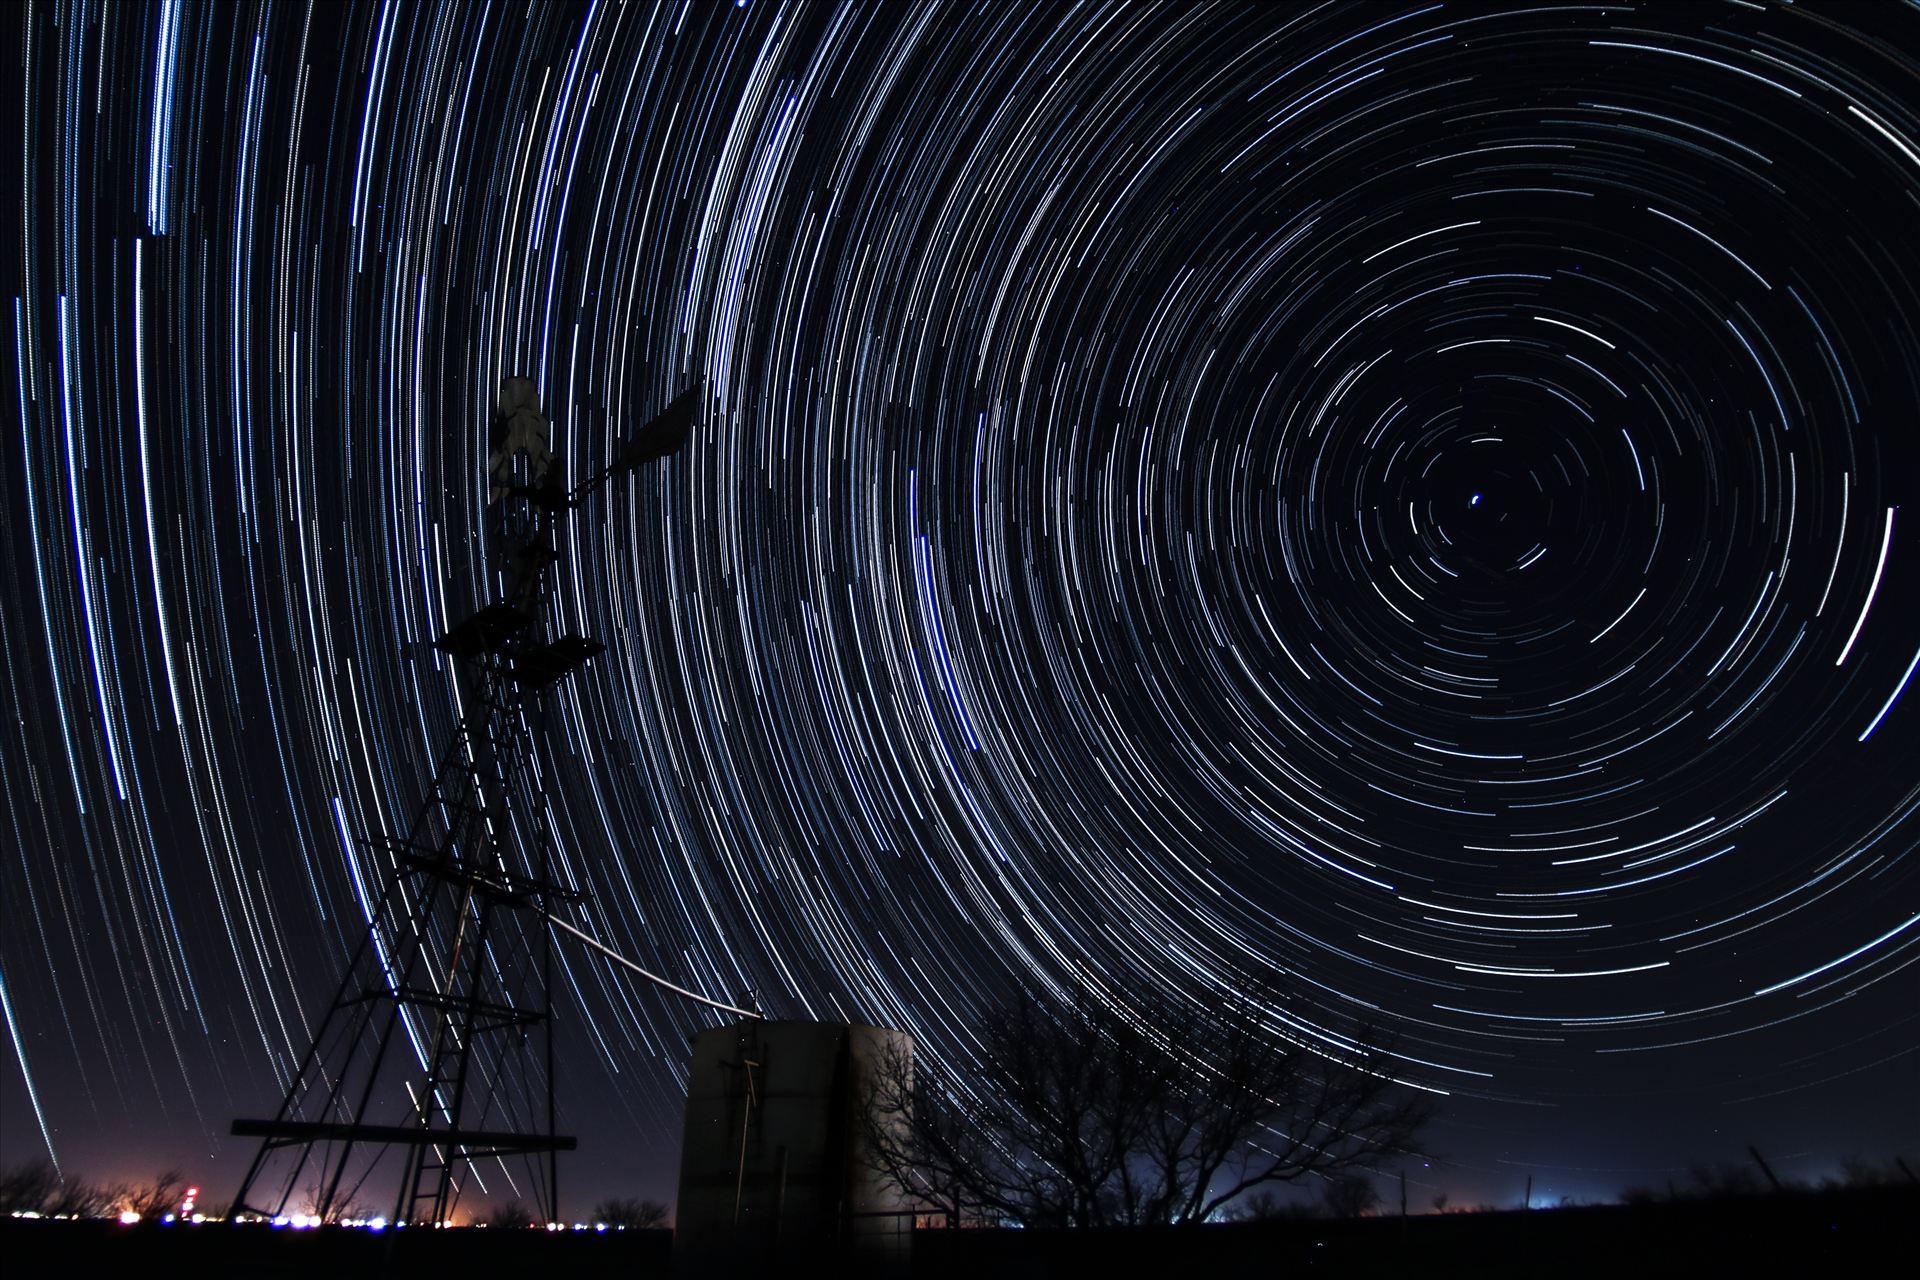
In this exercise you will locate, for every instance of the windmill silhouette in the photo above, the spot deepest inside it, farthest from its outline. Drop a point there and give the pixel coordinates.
(438, 1043)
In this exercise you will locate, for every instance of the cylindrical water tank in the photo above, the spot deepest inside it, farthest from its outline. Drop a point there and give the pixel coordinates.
(774, 1153)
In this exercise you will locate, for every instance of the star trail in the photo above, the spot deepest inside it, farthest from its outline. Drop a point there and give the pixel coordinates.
(1400, 513)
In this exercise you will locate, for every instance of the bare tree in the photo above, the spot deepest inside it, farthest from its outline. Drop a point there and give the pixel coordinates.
(1858, 1171)
(1350, 1194)
(1265, 1206)
(1091, 1115)
(344, 1207)
(510, 1214)
(1261, 1206)
(148, 1199)
(28, 1188)
(638, 1215)
(1723, 1180)
(37, 1187)
(78, 1198)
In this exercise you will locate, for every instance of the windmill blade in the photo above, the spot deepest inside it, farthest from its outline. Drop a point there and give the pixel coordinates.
(664, 435)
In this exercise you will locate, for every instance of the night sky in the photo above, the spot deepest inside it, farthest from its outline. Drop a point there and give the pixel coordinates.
(1403, 506)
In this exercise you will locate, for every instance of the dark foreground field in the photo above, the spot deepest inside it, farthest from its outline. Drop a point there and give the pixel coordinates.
(1824, 1235)
(1828, 1234)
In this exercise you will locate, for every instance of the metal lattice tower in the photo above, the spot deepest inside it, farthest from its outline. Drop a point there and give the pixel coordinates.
(438, 1043)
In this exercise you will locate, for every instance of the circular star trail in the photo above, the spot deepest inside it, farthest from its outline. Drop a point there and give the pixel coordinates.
(1393, 513)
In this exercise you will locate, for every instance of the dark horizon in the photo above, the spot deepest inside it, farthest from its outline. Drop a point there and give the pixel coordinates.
(1396, 510)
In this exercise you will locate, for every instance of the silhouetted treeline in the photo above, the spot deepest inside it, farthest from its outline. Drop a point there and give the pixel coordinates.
(37, 1187)
(1723, 1181)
